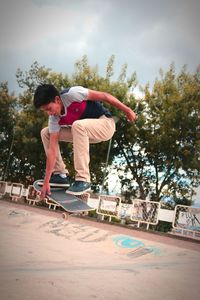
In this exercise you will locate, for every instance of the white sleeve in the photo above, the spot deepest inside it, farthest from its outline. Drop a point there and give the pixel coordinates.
(53, 124)
(78, 94)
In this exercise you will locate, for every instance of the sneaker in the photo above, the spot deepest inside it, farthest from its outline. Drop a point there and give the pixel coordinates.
(59, 181)
(79, 187)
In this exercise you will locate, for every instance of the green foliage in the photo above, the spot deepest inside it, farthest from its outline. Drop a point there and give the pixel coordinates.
(162, 150)
(29, 80)
(157, 157)
(162, 226)
(8, 112)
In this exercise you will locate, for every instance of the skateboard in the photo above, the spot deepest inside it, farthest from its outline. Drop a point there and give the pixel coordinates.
(70, 203)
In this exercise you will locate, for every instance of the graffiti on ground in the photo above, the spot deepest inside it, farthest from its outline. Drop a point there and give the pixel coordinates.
(133, 247)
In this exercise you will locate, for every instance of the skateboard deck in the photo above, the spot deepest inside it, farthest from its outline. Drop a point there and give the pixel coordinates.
(70, 203)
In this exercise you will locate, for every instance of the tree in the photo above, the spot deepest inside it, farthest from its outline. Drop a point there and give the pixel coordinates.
(158, 155)
(161, 152)
(8, 112)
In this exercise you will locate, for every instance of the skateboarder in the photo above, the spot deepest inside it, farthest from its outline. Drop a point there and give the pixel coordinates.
(90, 122)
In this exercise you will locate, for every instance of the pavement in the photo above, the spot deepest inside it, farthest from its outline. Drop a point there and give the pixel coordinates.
(43, 256)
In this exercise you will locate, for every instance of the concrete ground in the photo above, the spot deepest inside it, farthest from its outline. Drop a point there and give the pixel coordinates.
(44, 257)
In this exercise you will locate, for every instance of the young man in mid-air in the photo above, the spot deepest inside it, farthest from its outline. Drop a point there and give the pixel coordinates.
(90, 122)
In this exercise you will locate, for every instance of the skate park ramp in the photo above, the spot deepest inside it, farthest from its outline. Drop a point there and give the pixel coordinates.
(43, 256)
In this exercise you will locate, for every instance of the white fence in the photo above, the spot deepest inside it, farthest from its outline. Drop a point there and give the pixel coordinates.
(185, 219)
(109, 206)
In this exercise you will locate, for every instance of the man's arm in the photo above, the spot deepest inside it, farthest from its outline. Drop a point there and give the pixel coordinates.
(50, 163)
(103, 96)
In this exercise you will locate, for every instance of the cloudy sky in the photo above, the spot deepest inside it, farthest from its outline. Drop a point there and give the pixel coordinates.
(145, 34)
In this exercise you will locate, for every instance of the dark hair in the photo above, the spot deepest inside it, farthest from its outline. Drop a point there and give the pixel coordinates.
(44, 94)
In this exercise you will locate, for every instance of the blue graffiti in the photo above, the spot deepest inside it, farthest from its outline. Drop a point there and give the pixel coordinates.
(137, 248)
(127, 242)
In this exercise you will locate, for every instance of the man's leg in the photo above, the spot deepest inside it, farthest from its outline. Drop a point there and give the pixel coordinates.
(81, 134)
(89, 131)
(65, 135)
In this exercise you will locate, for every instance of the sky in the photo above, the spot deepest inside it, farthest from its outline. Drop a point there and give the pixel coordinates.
(145, 34)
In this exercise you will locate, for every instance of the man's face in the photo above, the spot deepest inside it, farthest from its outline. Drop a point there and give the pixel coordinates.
(53, 108)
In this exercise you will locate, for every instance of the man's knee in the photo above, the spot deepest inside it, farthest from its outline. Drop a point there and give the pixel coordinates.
(78, 126)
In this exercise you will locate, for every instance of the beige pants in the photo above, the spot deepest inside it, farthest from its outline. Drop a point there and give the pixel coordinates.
(81, 134)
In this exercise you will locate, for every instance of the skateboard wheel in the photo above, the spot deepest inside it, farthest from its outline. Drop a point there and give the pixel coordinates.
(65, 215)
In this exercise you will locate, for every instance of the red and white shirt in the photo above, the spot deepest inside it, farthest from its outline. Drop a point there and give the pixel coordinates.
(76, 106)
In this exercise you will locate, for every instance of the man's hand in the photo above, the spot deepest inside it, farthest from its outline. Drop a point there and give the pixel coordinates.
(45, 190)
(131, 115)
